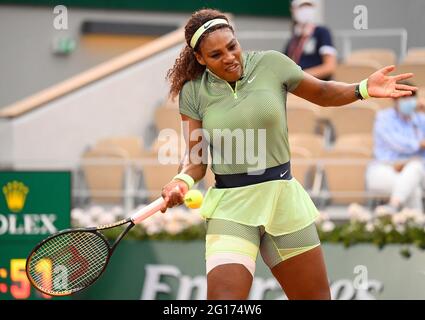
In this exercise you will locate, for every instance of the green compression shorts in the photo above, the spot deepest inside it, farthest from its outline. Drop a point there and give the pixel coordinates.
(232, 242)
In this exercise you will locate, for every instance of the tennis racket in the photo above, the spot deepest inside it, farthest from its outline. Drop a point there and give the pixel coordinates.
(73, 259)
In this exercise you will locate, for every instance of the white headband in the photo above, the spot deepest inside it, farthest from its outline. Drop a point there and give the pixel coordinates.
(204, 28)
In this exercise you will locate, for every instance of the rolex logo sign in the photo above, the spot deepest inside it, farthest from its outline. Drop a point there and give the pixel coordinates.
(33, 204)
(15, 193)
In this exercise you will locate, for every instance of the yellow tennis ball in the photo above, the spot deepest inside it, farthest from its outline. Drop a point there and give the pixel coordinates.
(193, 199)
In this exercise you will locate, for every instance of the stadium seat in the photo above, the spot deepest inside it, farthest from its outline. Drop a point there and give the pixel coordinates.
(302, 119)
(313, 143)
(358, 117)
(345, 170)
(417, 68)
(305, 150)
(415, 55)
(353, 73)
(133, 145)
(357, 141)
(167, 118)
(104, 173)
(375, 57)
(421, 94)
(177, 145)
(302, 166)
(158, 171)
(293, 101)
(382, 103)
(155, 176)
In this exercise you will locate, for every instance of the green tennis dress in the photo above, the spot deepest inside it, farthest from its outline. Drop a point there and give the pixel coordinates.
(247, 131)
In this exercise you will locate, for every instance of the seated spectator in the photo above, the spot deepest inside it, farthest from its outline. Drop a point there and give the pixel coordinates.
(399, 149)
(310, 46)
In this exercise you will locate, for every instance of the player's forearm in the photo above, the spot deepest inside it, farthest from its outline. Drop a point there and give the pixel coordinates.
(325, 93)
(336, 94)
(196, 171)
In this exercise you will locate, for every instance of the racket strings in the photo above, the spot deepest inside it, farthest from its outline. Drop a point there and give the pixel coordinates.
(79, 264)
(80, 257)
(73, 255)
(68, 262)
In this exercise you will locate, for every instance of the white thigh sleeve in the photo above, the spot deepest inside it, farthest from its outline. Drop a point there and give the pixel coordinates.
(217, 259)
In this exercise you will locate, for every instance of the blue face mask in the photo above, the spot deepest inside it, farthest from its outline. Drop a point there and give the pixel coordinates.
(407, 106)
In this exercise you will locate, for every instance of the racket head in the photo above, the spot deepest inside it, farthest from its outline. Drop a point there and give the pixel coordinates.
(68, 262)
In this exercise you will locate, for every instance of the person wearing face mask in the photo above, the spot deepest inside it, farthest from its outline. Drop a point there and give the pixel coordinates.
(399, 149)
(310, 45)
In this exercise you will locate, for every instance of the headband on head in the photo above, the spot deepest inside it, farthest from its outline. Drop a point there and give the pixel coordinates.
(204, 28)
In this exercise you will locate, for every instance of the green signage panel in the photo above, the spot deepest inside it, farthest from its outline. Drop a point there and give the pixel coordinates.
(33, 205)
(247, 7)
(169, 270)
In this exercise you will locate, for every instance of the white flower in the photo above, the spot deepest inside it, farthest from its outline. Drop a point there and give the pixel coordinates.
(381, 211)
(399, 219)
(357, 213)
(388, 228)
(420, 220)
(168, 216)
(174, 221)
(370, 227)
(414, 215)
(194, 219)
(155, 222)
(85, 221)
(77, 213)
(173, 227)
(323, 216)
(153, 229)
(117, 211)
(400, 228)
(179, 214)
(106, 218)
(328, 226)
(96, 212)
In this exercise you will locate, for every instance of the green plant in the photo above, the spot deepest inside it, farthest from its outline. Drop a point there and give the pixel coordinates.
(381, 229)
(404, 228)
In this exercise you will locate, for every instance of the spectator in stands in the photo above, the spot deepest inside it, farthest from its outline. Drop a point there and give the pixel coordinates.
(399, 138)
(311, 46)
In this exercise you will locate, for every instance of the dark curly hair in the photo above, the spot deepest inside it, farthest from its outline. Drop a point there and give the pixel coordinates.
(186, 67)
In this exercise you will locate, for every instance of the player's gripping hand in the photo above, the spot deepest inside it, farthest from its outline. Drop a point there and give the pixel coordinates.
(173, 194)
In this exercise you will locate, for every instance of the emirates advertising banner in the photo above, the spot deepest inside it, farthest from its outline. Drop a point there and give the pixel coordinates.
(165, 270)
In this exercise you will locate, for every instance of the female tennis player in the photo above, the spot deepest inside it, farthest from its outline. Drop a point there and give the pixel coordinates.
(223, 89)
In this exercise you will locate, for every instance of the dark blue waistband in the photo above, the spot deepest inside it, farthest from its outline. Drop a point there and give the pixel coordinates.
(280, 172)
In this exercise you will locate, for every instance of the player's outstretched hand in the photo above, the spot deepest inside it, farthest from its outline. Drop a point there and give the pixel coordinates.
(381, 85)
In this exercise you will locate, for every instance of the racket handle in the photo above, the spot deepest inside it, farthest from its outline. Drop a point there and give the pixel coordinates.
(147, 211)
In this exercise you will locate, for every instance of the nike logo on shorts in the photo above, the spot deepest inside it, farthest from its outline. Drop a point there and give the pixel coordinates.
(283, 174)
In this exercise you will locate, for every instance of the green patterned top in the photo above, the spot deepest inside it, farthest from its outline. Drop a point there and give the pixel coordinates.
(246, 127)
